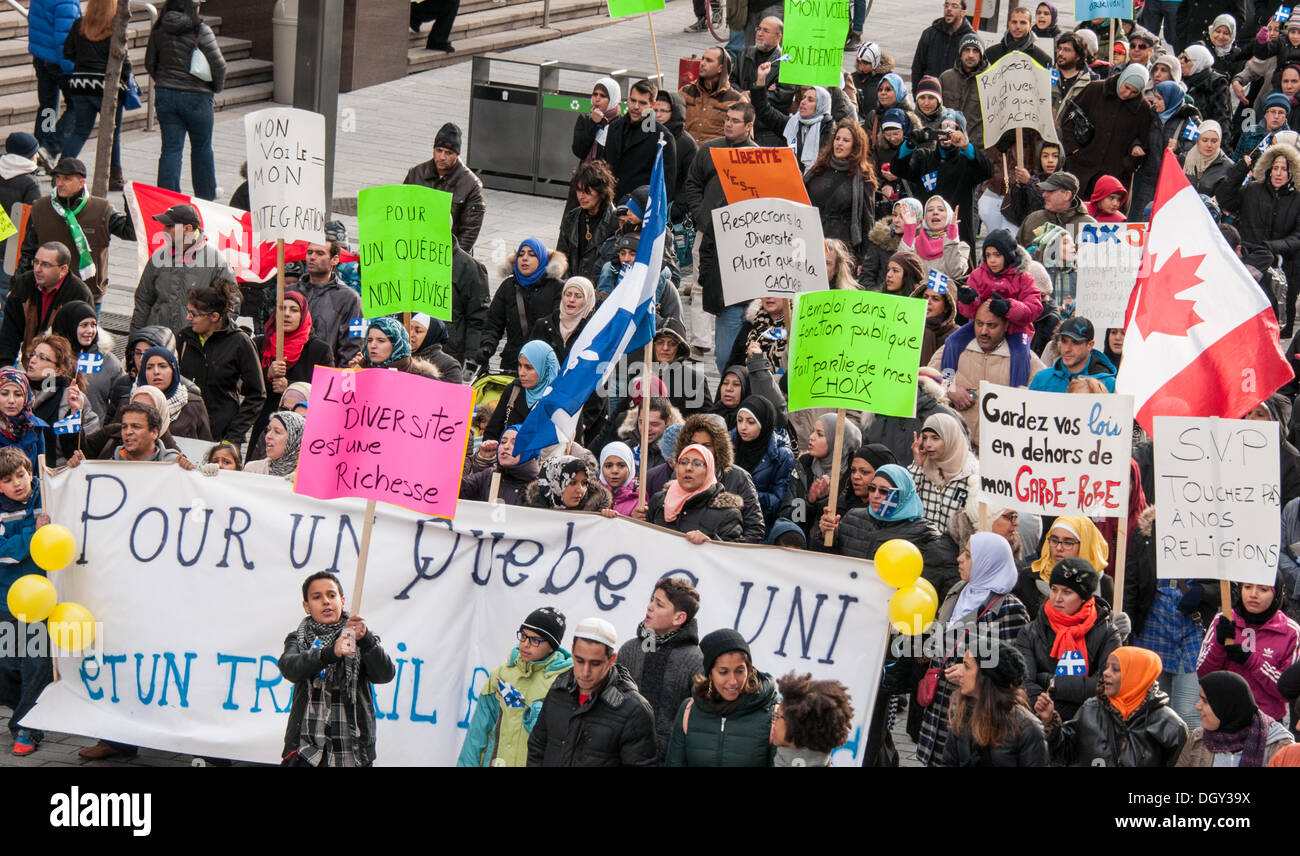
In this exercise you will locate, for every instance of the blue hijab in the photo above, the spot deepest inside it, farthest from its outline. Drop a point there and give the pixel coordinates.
(396, 333)
(167, 355)
(542, 358)
(909, 504)
(900, 88)
(539, 250)
(1172, 94)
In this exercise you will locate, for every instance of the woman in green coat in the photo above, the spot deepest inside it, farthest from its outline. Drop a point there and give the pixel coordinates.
(727, 720)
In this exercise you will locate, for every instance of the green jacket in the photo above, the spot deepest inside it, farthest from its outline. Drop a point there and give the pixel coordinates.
(739, 739)
(508, 707)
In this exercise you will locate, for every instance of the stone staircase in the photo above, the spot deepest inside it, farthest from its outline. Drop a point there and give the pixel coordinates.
(485, 26)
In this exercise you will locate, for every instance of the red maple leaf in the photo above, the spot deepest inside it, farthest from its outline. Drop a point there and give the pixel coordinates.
(1159, 309)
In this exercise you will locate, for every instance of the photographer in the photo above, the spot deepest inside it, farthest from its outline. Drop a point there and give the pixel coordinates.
(947, 163)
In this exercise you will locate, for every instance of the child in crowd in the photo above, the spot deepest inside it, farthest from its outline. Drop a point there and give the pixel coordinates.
(1107, 202)
(21, 677)
(224, 456)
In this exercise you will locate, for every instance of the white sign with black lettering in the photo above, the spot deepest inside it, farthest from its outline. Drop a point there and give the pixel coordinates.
(769, 248)
(1218, 503)
(1110, 255)
(286, 173)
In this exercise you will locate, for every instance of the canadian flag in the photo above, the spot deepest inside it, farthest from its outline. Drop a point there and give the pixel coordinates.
(228, 229)
(1200, 336)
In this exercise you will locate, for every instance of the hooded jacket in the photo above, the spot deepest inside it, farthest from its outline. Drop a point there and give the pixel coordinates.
(1014, 283)
(880, 246)
(467, 204)
(686, 148)
(936, 50)
(162, 295)
(1058, 377)
(1071, 691)
(615, 727)
(709, 737)
(1097, 736)
(1267, 217)
(960, 94)
(664, 673)
(771, 475)
(507, 708)
(173, 40)
(1121, 124)
(538, 301)
(227, 368)
(706, 107)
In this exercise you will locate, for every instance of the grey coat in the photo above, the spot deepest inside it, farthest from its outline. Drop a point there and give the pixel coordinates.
(161, 297)
(664, 675)
(333, 306)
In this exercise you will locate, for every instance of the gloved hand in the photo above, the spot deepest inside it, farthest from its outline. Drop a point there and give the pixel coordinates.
(1236, 654)
(210, 469)
(1123, 624)
(999, 306)
(1262, 36)
(966, 294)
(1225, 630)
(1191, 601)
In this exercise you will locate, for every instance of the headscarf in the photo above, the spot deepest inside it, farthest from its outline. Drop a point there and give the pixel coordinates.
(1172, 94)
(625, 498)
(728, 414)
(1194, 163)
(992, 571)
(435, 334)
(543, 258)
(13, 428)
(810, 129)
(1200, 57)
(615, 93)
(748, 453)
(177, 394)
(943, 230)
(569, 323)
(1052, 10)
(896, 82)
(876, 454)
(396, 333)
(558, 472)
(542, 358)
(293, 426)
(1255, 619)
(909, 504)
(293, 342)
(958, 461)
(1138, 670)
(1224, 20)
(301, 388)
(677, 496)
(1242, 726)
(852, 439)
(1135, 74)
(159, 402)
(68, 319)
(917, 208)
(1092, 546)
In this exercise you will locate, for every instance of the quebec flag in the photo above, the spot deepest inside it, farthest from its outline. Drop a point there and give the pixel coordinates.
(1071, 663)
(623, 323)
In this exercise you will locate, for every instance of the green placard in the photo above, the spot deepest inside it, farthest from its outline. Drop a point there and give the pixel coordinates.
(815, 31)
(623, 8)
(572, 103)
(405, 237)
(856, 349)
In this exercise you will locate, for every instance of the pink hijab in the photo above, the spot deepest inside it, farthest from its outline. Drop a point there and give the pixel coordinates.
(677, 496)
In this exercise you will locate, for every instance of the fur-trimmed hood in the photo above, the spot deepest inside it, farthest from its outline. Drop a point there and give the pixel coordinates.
(726, 499)
(424, 368)
(597, 497)
(556, 264)
(1261, 166)
(1147, 520)
(882, 235)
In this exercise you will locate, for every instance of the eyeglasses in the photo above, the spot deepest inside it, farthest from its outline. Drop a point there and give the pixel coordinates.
(1063, 542)
(530, 638)
(39, 357)
(692, 464)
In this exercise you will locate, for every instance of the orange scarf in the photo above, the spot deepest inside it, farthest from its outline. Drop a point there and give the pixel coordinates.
(1071, 629)
(1138, 670)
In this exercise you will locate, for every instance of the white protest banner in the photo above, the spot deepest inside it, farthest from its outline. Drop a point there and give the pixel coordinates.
(769, 248)
(286, 173)
(1218, 503)
(1054, 453)
(1109, 255)
(197, 582)
(1016, 92)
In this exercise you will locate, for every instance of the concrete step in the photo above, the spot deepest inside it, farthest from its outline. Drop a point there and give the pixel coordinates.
(419, 59)
(13, 34)
(500, 17)
(21, 78)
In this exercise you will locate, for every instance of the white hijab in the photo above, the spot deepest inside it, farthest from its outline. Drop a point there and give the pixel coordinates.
(810, 128)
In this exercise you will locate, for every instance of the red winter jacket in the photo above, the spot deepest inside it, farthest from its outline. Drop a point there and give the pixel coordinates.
(1013, 283)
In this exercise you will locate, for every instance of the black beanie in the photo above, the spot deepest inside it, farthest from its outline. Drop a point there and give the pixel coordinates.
(1076, 574)
(448, 138)
(548, 622)
(1007, 669)
(721, 642)
(1005, 243)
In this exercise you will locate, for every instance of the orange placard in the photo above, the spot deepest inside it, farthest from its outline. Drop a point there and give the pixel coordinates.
(759, 173)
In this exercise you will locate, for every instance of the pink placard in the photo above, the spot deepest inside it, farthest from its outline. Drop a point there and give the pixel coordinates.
(385, 435)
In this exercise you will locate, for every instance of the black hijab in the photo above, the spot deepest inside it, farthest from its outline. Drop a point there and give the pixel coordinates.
(1231, 700)
(1258, 618)
(66, 321)
(749, 453)
(729, 413)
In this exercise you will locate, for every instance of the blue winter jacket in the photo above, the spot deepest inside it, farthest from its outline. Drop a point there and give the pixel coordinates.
(48, 23)
(772, 474)
(1057, 378)
(17, 525)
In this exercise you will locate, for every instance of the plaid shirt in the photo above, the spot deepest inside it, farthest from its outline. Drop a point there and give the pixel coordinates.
(1169, 633)
(939, 503)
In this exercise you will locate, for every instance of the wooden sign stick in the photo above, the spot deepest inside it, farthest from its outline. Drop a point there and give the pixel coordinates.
(645, 421)
(279, 299)
(363, 555)
(835, 469)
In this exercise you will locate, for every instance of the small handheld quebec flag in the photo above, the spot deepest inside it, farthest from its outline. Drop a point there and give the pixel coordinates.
(356, 328)
(1191, 131)
(89, 363)
(70, 424)
(937, 281)
(1071, 663)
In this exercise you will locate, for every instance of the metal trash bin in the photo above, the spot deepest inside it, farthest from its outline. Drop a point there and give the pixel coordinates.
(521, 118)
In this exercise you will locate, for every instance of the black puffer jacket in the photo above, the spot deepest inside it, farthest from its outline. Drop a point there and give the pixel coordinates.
(174, 37)
(1267, 217)
(860, 535)
(715, 512)
(1025, 748)
(227, 369)
(615, 728)
(469, 304)
(539, 301)
(1035, 643)
(1152, 736)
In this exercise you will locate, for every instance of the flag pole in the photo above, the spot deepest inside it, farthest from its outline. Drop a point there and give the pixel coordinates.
(645, 420)
(835, 470)
(279, 299)
(654, 49)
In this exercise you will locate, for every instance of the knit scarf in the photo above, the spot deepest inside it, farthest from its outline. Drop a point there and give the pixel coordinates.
(85, 261)
(323, 705)
(805, 135)
(1249, 741)
(1070, 630)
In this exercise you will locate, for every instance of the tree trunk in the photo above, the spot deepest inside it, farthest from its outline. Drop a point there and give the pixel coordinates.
(108, 107)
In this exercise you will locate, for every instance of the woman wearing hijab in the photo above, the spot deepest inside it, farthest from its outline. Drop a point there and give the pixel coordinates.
(567, 483)
(1229, 57)
(934, 239)
(732, 389)
(1067, 643)
(76, 321)
(762, 449)
(808, 492)
(618, 475)
(1070, 537)
(807, 131)
(1206, 163)
(388, 346)
(891, 93)
(561, 328)
(842, 184)
(940, 317)
(591, 128)
(530, 292)
(945, 471)
(980, 607)
(1176, 113)
(1045, 26)
(302, 353)
(1257, 641)
(18, 425)
(537, 368)
(498, 456)
(1234, 732)
(694, 503)
(283, 443)
(1207, 88)
(188, 413)
(1127, 723)
(428, 335)
(862, 469)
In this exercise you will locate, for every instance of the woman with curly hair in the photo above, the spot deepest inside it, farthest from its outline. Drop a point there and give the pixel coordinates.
(812, 720)
(842, 184)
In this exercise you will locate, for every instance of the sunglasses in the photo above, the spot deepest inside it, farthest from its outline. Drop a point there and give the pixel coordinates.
(873, 489)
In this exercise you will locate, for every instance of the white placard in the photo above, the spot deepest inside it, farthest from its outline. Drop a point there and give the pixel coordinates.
(769, 248)
(286, 173)
(1109, 256)
(1016, 92)
(1218, 503)
(1054, 453)
(196, 581)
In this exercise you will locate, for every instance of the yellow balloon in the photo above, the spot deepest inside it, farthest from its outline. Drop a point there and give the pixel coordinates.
(911, 610)
(31, 598)
(53, 547)
(72, 627)
(923, 583)
(898, 563)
